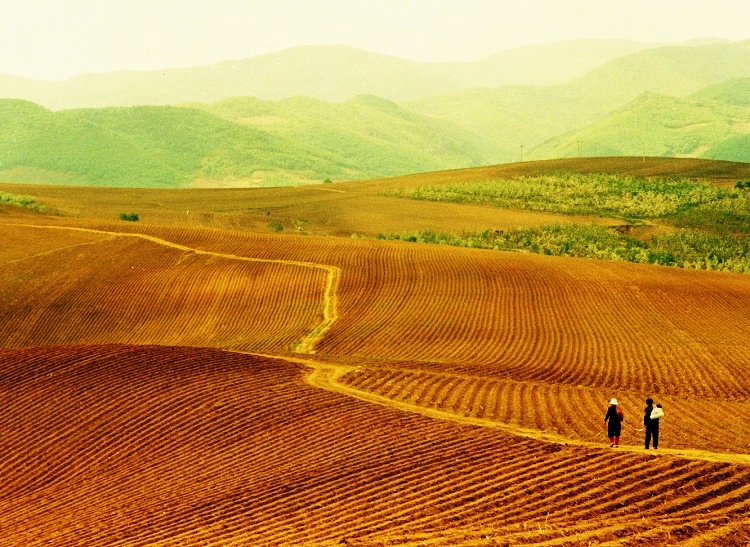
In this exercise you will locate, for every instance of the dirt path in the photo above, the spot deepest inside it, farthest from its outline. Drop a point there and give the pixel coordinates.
(327, 376)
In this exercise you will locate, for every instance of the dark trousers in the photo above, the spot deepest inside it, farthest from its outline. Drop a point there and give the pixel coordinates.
(652, 432)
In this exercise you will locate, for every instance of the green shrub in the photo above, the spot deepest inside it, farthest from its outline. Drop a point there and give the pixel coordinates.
(130, 217)
(276, 226)
(572, 193)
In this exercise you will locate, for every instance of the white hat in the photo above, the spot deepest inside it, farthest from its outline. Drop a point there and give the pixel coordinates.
(613, 401)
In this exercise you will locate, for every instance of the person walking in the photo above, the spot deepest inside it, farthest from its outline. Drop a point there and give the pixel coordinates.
(656, 414)
(651, 425)
(613, 422)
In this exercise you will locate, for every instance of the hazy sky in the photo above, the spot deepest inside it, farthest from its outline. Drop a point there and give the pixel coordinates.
(57, 39)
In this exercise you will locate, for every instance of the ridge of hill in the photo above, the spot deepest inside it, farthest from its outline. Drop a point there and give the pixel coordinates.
(331, 73)
(736, 91)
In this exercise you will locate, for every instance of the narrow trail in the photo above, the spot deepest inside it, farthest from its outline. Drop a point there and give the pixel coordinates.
(326, 376)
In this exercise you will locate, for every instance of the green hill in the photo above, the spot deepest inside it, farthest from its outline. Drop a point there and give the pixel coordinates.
(736, 91)
(656, 125)
(140, 146)
(373, 134)
(239, 142)
(514, 116)
(509, 119)
(676, 71)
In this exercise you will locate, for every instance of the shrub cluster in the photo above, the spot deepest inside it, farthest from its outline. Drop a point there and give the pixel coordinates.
(24, 202)
(685, 248)
(588, 194)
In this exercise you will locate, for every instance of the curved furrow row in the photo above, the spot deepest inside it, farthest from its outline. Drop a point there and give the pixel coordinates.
(629, 491)
(146, 293)
(726, 492)
(21, 243)
(570, 489)
(719, 532)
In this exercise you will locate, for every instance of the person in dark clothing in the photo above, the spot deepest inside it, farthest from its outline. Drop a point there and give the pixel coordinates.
(652, 426)
(613, 421)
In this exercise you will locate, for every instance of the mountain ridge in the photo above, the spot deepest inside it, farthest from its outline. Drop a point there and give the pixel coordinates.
(331, 73)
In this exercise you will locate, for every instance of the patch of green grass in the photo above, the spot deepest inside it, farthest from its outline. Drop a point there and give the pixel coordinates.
(24, 202)
(130, 217)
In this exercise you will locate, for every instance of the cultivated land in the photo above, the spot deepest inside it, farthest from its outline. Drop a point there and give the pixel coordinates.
(197, 378)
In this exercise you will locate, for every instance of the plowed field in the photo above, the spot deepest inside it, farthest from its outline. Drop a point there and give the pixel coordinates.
(120, 445)
(169, 384)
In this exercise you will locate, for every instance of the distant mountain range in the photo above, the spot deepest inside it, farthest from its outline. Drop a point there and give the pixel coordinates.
(315, 113)
(328, 73)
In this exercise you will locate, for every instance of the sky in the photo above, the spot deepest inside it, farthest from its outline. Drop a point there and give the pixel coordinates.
(58, 39)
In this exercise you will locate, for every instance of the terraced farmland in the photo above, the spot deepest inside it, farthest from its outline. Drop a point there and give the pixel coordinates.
(170, 384)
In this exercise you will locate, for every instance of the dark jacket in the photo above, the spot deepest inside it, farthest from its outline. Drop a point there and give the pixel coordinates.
(613, 418)
(647, 415)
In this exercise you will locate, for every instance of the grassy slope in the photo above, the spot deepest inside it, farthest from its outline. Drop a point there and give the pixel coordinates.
(712, 125)
(295, 140)
(508, 117)
(374, 134)
(141, 147)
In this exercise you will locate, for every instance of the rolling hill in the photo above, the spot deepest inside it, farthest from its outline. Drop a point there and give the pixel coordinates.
(713, 124)
(637, 99)
(241, 142)
(514, 116)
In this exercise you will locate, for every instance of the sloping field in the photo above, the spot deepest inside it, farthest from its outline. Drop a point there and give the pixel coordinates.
(343, 209)
(134, 290)
(122, 445)
(396, 393)
(503, 335)
(434, 325)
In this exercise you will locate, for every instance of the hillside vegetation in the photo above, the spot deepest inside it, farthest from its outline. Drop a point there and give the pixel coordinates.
(714, 124)
(243, 142)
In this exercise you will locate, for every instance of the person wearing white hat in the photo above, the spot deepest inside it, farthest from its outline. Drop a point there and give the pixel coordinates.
(613, 422)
